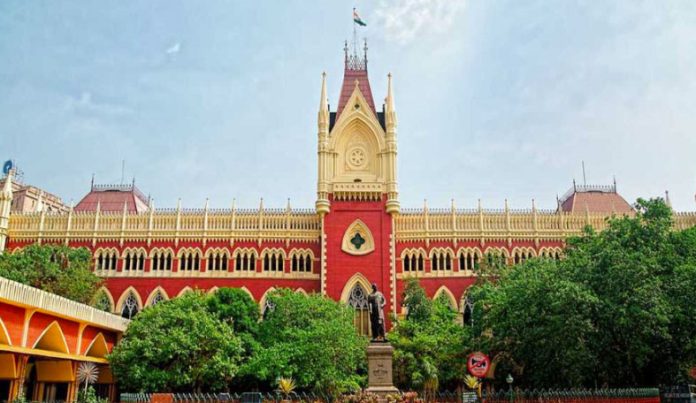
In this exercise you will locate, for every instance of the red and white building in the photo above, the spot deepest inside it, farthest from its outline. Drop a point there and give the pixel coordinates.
(356, 234)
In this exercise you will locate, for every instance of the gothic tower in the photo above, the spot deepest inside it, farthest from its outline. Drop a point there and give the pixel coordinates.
(357, 194)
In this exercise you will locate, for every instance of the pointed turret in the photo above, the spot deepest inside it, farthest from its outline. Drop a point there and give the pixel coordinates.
(323, 205)
(5, 206)
(389, 108)
(390, 126)
(323, 106)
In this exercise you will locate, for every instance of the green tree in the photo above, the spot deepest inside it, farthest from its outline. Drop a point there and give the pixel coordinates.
(617, 311)
(177, 345)
(236, 307)
(540, 319)
(311, 339)
(430, 345)
(54, 268)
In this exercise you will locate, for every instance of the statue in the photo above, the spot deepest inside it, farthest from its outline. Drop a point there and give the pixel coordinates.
(375, 306)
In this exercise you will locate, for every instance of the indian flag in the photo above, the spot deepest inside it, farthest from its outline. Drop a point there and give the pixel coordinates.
(357, 19)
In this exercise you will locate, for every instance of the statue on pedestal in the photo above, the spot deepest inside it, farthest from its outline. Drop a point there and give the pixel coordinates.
(375, 306)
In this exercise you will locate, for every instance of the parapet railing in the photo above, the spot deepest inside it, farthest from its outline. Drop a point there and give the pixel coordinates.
(413, 225)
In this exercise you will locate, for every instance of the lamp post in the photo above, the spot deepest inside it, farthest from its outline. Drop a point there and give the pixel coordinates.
(509, 379)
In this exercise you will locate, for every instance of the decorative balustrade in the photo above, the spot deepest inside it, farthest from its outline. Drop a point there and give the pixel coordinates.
(415, 225)
(168, 224)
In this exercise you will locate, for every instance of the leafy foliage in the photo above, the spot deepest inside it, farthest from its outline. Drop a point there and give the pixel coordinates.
(177, 345)
(616, 311)
(311, 339)
(430, 347)
(57, 269)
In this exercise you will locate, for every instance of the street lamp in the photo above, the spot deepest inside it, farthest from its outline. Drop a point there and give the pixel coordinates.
(509, 379)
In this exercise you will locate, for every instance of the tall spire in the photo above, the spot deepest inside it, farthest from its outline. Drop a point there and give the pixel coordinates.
(323, 104)
(355, 69)
(389, 106)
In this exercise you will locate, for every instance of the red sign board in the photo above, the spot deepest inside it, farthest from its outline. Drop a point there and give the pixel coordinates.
(692, 372)
(478, 364)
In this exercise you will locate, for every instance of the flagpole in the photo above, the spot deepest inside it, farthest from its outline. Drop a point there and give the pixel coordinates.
(355, 35)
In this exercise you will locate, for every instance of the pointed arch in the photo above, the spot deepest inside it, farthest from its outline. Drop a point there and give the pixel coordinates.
(124, 295)
(184, 291)
(263, 302)
(213, 290)
(4, 334)
(358, 278)
(358, 229)
(52, 339)
(444, 291)
(98, 347)
(301, 291)
(153, 294)
(246, 290)
(105, 292)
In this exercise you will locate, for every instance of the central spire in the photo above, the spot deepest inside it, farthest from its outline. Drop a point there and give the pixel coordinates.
(355, 69)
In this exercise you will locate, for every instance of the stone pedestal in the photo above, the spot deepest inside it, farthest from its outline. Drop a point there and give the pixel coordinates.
(379, 367)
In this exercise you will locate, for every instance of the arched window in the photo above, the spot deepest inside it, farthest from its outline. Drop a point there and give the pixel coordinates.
(162, 260)
(440, 260)
(134, 260)
(103, 302)
(105, 259)
(157, 298)
(301, 261)
(130, 307)
(496, 257)
(273, 261)
(469, 260)
(468, 311)
(217, 260)
(412, 260)
(268, 307)
(358, 301)
(190, 260)
(245, 261)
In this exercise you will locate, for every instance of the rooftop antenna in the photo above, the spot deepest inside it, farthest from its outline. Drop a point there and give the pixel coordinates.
(584, 178)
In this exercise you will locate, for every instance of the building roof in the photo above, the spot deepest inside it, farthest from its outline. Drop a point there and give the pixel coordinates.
(595, 199)
(355, 69)
(112, 198)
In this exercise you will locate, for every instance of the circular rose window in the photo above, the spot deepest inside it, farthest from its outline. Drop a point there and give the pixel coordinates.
(357, 157)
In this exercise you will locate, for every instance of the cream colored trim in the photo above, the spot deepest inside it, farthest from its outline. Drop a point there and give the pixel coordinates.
(263, 299)
(184, 290)
(248, 292)
(4, 333)
(443, 290)
(215, 251)
(358, 278)
(358, 226)
(273, 251)
(239, 251)
(110, 297)
(189, 250)
(22, 295)
(124, 295)
(164, 250)
(213, 290)
(301, 291)
(159, 289)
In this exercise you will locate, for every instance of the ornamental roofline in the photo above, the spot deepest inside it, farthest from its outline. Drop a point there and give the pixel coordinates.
(23, 295)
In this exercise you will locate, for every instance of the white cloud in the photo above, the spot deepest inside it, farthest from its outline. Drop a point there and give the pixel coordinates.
(174, 49)
(403, 20)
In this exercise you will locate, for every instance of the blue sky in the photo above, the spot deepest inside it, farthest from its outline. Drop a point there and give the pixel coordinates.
(218, 99)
